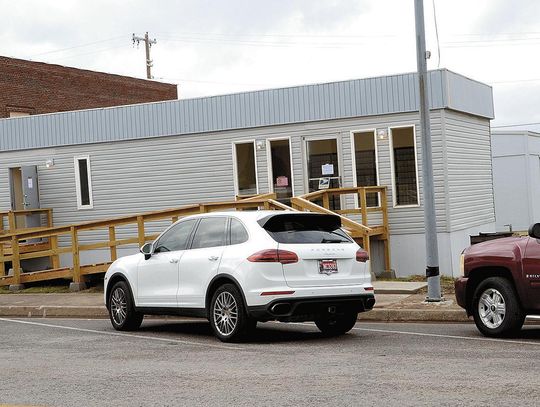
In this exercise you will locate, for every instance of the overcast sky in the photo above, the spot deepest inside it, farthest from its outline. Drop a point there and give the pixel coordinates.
(212, 47)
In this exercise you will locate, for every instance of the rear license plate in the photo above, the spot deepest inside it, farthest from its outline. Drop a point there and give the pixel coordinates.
(328, 267)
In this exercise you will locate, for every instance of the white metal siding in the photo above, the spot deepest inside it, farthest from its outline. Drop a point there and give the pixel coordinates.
(469, 172)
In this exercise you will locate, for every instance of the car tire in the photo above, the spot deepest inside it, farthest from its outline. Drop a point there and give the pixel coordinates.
(122, 308)
(339, 324)
(228, 316)
(496, 309)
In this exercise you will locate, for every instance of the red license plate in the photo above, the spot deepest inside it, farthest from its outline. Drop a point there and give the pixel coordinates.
(328, 267)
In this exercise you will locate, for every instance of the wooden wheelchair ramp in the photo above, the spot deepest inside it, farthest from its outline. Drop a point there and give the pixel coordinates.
(65, 244)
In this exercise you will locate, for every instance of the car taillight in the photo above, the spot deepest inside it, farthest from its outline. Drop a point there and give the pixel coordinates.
(362, 256)
(274, 256)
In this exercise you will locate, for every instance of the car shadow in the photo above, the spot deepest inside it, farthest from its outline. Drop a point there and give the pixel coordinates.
(529, 332)
(266, 333)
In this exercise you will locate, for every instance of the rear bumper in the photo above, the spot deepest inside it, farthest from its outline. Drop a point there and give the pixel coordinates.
(461, 291)
(308, 308)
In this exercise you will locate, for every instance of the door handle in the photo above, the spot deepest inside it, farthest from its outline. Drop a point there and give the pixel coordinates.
(213, 258)
(174, 260)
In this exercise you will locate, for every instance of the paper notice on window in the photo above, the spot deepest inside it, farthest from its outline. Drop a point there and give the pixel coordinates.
(327, 169)
(30, 183)
(282, 181)
(324, 183)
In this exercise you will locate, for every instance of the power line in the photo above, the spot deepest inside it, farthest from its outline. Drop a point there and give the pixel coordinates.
(437, 36)
(261, 43)
(76, 46)
(515, 81)
(88, 53)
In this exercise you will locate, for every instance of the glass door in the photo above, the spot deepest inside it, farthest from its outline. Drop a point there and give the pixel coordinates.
(246, 169)
(323, 168)
(280, 170)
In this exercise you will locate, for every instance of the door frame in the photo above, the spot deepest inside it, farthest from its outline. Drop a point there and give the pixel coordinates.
(235, 166)
(269, 162)
(305, 141)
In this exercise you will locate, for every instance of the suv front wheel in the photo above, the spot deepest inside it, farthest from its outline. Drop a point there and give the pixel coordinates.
(496, 308)
(122, 309)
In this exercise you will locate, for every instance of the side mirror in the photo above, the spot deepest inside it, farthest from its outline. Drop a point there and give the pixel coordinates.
(534, 231)
(147, 250)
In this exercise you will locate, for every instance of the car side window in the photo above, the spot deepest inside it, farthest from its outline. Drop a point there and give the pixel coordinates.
(210, 233)
(239, 233)
(176, 238)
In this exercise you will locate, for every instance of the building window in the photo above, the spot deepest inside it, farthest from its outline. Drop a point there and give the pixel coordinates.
(83, 182)
(365, 157)
(405, 176)
(246, 169)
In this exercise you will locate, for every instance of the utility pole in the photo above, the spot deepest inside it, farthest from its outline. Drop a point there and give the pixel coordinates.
(432, 254)
(147, 44)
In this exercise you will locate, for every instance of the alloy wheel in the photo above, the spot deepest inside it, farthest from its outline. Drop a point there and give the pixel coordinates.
(225, 313)
(492, 308)
(119, 306)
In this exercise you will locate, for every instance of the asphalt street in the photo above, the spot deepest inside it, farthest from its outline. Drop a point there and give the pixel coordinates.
(70, 362)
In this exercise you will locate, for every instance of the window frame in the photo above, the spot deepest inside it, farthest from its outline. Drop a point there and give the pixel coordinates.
(155, 243)
(198, 225)
(392, 169)
(235, 165)
(78, 191)
(353, 155)
(229, 231)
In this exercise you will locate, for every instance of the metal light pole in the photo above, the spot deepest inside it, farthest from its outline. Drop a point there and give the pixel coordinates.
(432, 255)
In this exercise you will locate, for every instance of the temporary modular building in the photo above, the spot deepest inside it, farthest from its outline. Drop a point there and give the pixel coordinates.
(100, 163)
(516, 179)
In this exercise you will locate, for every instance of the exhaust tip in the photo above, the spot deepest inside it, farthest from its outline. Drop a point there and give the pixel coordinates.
(281, 308)
(369, 303)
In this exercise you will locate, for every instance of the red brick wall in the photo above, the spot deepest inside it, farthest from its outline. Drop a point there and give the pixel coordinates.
(36, 87)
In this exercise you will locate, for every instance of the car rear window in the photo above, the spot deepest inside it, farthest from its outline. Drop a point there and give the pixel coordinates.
(305, 229)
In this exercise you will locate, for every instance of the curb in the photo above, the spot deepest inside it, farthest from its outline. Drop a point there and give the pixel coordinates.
(54, 311)
(416, 315)
(381, 315)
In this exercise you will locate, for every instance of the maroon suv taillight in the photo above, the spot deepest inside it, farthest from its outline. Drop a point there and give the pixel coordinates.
(274, 256)
(362, 256)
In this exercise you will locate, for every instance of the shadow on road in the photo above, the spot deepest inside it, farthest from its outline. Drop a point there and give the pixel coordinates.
(264, 334)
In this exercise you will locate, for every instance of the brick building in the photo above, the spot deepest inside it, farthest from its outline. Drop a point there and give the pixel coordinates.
(28, 87)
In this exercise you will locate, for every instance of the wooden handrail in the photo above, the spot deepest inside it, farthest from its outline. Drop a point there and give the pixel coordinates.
(358, 230)
(346, 222)
(12, 219)
(13, 241)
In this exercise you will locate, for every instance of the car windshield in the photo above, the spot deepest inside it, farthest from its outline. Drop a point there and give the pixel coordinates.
(305, 229)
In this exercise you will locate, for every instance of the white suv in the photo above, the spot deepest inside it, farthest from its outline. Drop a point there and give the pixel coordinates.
(237, 268)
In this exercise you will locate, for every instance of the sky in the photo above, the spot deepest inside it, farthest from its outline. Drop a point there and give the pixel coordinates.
(211, 47)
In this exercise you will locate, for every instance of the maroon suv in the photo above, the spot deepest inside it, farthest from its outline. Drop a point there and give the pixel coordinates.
(500, 282)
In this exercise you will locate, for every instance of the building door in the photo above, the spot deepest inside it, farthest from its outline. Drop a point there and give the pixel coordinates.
(279, 170)
(323, 167)
(25, 194)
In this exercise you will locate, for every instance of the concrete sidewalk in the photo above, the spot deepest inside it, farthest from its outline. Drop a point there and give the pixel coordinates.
(396, 301)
